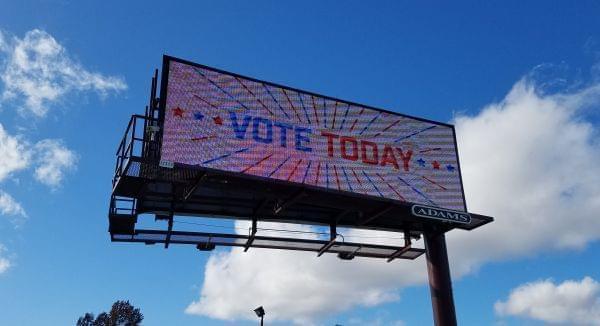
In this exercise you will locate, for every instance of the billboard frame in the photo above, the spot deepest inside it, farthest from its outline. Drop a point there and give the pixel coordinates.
(164, 83)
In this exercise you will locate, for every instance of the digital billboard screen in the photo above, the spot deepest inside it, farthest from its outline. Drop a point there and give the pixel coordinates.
(224, 121)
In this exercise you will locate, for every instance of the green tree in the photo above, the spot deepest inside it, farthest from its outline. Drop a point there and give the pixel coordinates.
(86, 320)
(103, 319)
(122, 313)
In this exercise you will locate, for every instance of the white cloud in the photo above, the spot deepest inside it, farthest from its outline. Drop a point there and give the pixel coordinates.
(5, 264)
(51, 157)
(531, 161)
(375, 322)
(53, 160)
(571, 302)
(9, 206)
(14, 154)
(39, 70)
(297, 285)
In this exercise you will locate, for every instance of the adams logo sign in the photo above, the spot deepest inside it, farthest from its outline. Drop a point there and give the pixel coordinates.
(441, 214)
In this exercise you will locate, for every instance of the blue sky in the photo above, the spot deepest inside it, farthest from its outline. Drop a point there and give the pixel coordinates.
(520, 81)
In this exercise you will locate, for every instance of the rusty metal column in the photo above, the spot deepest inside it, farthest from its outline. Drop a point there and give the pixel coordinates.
(440, 283)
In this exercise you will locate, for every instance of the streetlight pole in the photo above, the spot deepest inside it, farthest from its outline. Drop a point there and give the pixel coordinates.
(260, 312)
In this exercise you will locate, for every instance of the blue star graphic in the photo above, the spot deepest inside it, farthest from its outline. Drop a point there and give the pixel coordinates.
(421, 162)
(450, 168)
(198, 116)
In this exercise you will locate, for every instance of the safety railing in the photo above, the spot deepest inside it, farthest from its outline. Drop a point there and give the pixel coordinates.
(139, 140)
(122, 205)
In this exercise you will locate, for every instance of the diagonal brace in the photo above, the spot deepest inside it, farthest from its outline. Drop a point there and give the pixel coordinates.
(255, 212)
(333, 236)
(401, 251)
(295, 197)
(188, 193)
(376, 215)
(252, 234)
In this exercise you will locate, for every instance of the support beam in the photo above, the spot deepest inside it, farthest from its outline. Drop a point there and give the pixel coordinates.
(376, 215)
(255, 212)
(169, 230)
(170, 219)
(288, 202)
(332, 236)
(440, 283)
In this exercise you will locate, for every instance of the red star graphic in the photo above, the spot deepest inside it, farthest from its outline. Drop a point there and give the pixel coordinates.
(218, 120)
(178, 112)
(436, 165)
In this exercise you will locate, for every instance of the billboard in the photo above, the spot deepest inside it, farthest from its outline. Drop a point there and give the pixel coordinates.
(223, 121)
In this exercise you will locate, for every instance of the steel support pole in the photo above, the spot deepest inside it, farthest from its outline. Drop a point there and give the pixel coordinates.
(440, 284)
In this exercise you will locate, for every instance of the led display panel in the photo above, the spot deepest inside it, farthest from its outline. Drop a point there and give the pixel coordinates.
(223, 121)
